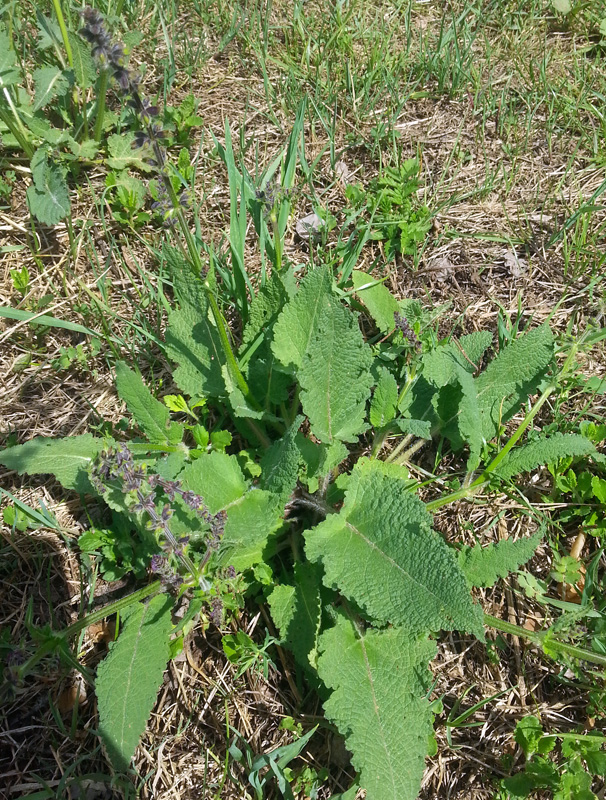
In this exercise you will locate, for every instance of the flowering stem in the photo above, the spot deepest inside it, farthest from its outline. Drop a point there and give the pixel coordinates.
(101, 93)
(64, 33)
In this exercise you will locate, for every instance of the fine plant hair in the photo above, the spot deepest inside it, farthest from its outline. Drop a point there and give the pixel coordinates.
(304, 499)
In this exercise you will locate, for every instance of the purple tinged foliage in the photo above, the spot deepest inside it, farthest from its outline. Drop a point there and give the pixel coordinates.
(111, 55)
(403, 325)
(117, 465)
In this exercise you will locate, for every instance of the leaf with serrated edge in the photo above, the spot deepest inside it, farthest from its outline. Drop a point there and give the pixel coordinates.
(384, 400)
(217, 477)
(152, 416)
(297, 324)
(483, 566)
(50, 82)
(48, 198)
(377, 298)
(297, 612)
(8, 60)
(67, 459)
(547, 450)
(192, 340)
(335, 376)
(129, 678)
(512, 377)
(121, 153)
(280, 463)
(381, 552)
(380, 681)
(250, 522)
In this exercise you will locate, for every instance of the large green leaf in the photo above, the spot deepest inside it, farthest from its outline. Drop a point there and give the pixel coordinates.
(381, 552)
(250, 521)
(377, 298)
(547, 450)
(128, 679)
(9, 74)
(483, 566)
(297, 611)
(335, 376)
(384, 400)
(455, 400)
(192, 340)
(122, 155)
(280, 463)
(50, 82)
(67, 459)
(48, 197)
(252, 514)
(380, 681)
(298, 322)
(83, 64)
(152, 416)
(512, 377)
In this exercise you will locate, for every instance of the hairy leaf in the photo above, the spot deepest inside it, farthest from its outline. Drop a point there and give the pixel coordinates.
(9, 74)
(192, 339)
(473, 346)
(67, 459)
(280, 464)
(297, 611)
(250, 521)
(379, 301)
(416, 427)
(122, 155)
(455, 402)
(335, 376)
(381, 552)
(217, 477)
(265, 308)
(512, 377)
(128, 679)
(544, 451)
(384, 400)
(483, 566)
(380, 681)
(50, 82)
(48, 197)
(152, 416)
(252, 514)
(298, 322)
(83, 65)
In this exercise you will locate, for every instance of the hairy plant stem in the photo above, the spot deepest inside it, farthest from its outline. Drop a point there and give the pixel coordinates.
(543, 640)
(64, 33)
(101, 94)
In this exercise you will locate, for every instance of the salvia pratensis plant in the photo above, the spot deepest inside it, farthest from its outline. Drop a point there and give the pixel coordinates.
(316, 512)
